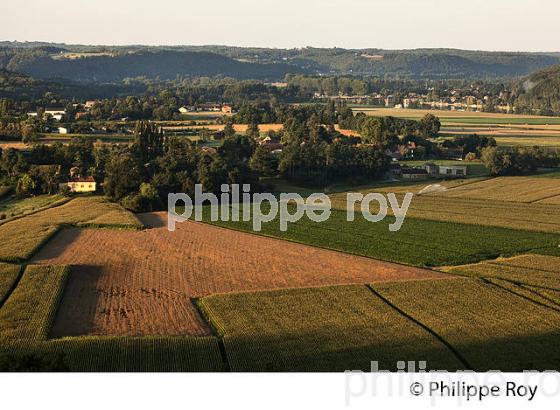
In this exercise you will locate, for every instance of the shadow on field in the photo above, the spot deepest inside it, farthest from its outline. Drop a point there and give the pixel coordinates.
(281, 353)
(57, 245)
(78, 308)
(153, 219)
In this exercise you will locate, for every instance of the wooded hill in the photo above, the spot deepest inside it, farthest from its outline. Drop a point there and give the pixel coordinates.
(110, 64)
(539, 93)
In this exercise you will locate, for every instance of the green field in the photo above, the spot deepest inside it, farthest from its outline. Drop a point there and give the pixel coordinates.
(419, 242)
(490, 327)
(323, 329)
(29, 312)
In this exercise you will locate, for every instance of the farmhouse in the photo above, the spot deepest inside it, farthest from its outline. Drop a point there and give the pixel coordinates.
(79, 184)
(227, 109)
(183, 110)
(62, 130)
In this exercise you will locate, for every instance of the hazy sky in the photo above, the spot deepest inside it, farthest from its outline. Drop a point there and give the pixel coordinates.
(531, 25)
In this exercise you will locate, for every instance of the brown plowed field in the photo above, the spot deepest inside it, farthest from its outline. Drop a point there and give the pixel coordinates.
(142, 282)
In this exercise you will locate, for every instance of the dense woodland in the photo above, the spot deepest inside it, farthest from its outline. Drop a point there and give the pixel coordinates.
(116, 63)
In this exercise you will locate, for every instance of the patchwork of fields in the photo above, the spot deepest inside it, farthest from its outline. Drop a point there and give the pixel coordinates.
(145, 287)
(101, 293)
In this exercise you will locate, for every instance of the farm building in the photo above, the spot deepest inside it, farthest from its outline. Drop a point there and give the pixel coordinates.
(79, 184)
(446, 170)
(414, 173)
(183, 110)
(453, 170)
(62, 130)
(227, 109)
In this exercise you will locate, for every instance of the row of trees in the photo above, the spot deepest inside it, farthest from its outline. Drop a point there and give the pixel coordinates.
(518, 161)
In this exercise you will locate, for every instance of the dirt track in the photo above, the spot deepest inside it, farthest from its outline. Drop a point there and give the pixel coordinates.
(142, 282)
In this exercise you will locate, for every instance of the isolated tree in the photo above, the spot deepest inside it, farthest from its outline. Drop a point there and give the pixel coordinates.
(25, 186)
(430, 126)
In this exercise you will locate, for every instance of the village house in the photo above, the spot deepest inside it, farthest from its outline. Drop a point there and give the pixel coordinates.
(184, 110)
(80, 185)
(62, 130)
(227, 109)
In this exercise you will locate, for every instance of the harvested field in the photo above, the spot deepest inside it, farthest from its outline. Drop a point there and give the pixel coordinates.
(490, 327)
(142, 282)
(322, 329)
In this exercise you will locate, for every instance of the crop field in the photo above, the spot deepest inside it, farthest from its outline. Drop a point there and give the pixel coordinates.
(461, 116)
(8, 277)
(205, 298)
(145, 288)
(491, 328)
(12, 207)
(241, 128)
(514, 189)
(537, 270)
(28, 313)
(419, 242)
(335, 328)
(538, 217)
(28, 234)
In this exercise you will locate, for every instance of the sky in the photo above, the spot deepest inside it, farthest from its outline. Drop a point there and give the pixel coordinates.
(506, 25)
